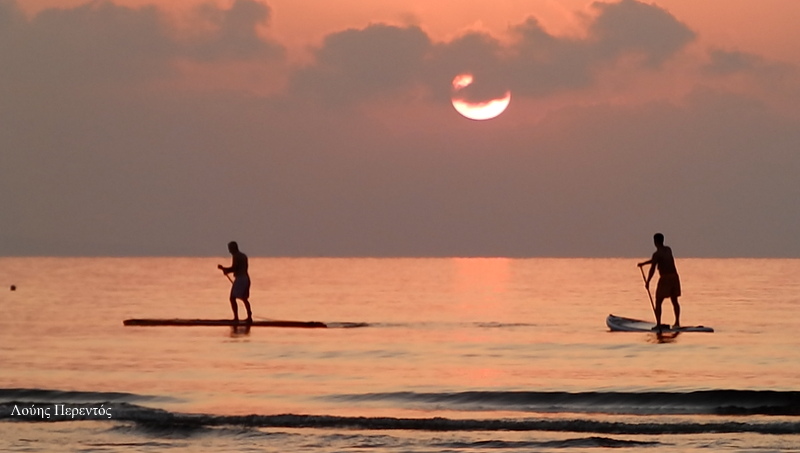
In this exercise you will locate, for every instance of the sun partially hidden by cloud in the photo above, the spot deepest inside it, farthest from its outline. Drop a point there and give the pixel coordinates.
(482, 110)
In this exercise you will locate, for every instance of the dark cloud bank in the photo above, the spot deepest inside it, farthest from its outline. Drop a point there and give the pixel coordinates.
(98, 158)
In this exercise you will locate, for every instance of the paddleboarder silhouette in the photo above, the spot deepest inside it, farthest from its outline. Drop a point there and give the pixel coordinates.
(240, 285)
(669, 283)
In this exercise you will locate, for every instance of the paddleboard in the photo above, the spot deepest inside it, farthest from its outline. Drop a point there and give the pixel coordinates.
(222, 322)
(620, 324)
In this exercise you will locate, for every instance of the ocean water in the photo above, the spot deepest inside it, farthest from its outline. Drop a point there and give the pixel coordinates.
(421, 355)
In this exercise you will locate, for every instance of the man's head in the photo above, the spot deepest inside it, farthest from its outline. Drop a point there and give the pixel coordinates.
(658, 239)
(233, 247)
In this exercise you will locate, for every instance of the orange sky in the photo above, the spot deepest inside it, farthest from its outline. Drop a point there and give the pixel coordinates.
(767, 27)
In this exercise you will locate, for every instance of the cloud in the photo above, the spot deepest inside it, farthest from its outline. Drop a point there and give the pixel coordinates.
(632, 26)
(475, 53)
(724, 62)
(234, 33)
(101, 43)
(10, 14)
(544, 64)
(776, 82)
(86, 45)
(353, 65)
(730, 63)
(358, 64)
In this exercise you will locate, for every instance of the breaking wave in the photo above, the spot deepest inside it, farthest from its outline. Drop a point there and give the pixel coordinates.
(710, 402)
(26, 405)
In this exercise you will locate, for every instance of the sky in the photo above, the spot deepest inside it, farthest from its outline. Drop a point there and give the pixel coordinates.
(154, 127)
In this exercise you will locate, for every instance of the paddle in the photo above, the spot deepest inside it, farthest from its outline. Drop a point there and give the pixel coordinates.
(652, 304)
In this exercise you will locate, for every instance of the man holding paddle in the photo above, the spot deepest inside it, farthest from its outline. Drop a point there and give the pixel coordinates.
(240, 287)
(669, 284)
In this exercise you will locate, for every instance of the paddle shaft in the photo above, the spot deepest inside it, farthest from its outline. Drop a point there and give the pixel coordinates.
(649, 295)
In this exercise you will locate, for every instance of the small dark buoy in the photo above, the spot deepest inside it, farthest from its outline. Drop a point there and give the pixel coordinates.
(13, 287)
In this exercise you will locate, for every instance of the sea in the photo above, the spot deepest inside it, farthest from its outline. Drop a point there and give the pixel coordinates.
(419, 355)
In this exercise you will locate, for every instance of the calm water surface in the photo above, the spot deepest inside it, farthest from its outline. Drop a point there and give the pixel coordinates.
(452, 355)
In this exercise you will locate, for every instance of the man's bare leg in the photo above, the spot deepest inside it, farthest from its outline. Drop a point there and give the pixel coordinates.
(659, 301)
(677, 308)
(235, 309)
(249, 312)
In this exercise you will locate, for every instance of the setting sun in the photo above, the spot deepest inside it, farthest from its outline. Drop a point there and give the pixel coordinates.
(483, 110)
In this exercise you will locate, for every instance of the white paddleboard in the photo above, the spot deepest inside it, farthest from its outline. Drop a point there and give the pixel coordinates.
(620, 324)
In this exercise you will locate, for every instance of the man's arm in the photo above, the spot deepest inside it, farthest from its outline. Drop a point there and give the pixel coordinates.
(225, 270)
(652, 262)
(650, 274)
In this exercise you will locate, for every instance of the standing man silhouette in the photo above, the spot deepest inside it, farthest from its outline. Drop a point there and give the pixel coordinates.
(669, 284)
(240, 289)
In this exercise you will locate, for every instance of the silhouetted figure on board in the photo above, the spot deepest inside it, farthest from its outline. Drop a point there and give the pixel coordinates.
(240, 289)
(669, 284)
